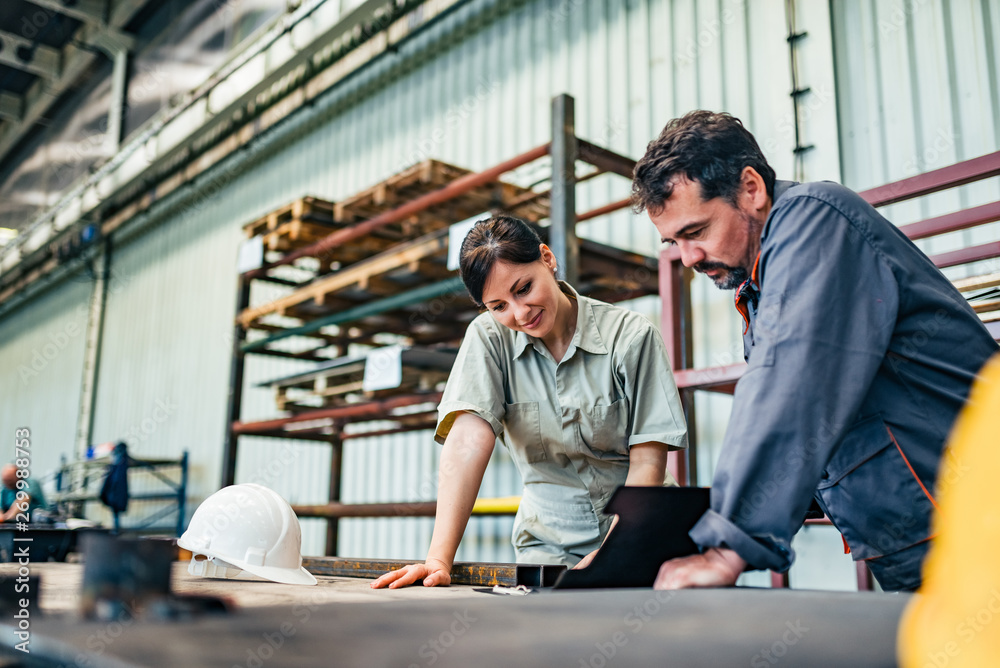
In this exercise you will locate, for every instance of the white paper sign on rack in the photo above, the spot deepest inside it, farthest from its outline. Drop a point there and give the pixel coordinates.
(251, 255)
(383, 369)
(456, 235)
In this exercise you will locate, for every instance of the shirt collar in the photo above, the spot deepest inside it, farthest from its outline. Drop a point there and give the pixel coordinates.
(587, 335)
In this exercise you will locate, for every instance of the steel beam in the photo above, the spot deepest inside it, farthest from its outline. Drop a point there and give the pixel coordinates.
(602, 210)
(235, 398)
(986, 251)
(118, 102)
(931, 182)
(606, 160)
(44, 61)
(377, 307)
(675, 325)
(718, 378)
(562, 200)
(336, 466)
(11, 107)
(952, 222)
(367, 409)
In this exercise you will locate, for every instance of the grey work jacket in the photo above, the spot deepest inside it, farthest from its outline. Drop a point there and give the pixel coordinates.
(861, 354)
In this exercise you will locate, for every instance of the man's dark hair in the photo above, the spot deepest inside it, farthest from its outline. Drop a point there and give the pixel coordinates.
(498, 238)
(707, 147)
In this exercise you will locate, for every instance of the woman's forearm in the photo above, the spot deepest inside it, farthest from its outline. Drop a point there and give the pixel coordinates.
(464, 457)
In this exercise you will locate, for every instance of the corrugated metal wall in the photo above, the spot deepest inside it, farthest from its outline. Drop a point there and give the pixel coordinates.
(42, 359)
(919, 90)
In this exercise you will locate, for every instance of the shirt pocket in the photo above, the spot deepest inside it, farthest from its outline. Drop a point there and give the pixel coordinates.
(605, 429)
(868, 491)
(523, 432)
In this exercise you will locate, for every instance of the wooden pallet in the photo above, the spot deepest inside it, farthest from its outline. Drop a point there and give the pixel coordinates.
(606, 273)
(301, 223)
(307, 220)
(988, 308)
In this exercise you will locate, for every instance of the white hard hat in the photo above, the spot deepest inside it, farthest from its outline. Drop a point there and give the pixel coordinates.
(248, 528)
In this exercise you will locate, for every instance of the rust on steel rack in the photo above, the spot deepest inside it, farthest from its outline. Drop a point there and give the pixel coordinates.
(462, 573)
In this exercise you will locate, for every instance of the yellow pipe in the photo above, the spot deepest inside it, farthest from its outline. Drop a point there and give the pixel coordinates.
(505, 505)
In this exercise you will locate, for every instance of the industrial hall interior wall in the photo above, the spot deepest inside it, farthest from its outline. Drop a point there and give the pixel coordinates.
(891, 92)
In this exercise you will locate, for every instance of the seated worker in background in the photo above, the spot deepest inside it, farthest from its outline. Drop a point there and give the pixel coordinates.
(580, 391)
(860, 353)
(8, 494)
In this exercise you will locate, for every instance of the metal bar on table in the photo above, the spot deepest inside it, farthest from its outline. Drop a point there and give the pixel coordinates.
(458, 187)
(483, 507)
(462, 573)
(562, 200)
(931, 182)
(404, 509)
(448, 286)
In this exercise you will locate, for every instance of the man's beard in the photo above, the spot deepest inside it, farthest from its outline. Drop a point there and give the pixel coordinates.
(730, 280)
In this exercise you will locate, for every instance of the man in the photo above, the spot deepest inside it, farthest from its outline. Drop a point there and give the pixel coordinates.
(860, 355)
(8, 495)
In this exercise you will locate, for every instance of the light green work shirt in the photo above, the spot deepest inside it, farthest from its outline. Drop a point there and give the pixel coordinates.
(568, 425)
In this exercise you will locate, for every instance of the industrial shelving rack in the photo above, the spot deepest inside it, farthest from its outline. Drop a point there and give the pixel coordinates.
(377, 269)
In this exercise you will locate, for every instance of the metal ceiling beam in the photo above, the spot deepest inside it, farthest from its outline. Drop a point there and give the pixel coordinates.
(99, 14)
(87, 11)
(101, 29)
(43, 61)
(11, 106)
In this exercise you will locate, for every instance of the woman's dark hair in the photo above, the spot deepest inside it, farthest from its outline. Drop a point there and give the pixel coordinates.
(707, 147)
(498, 238)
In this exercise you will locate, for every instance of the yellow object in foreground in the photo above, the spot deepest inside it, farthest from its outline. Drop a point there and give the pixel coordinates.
(955, 619)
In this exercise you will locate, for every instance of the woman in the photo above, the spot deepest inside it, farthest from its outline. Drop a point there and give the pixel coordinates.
(580, 391)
